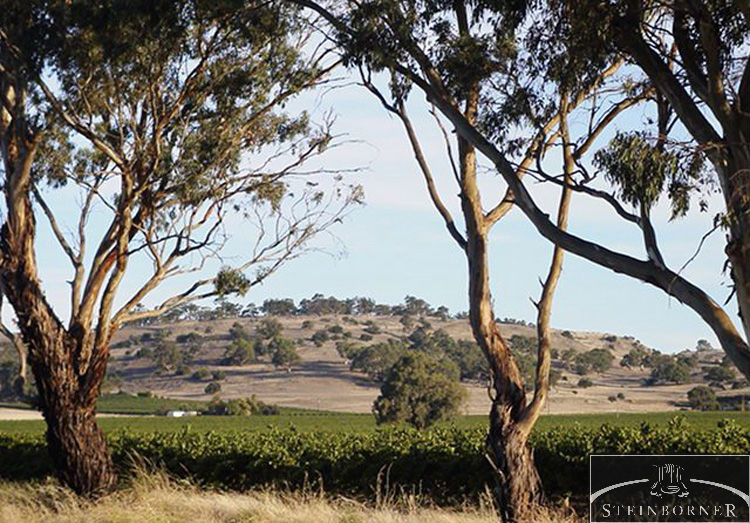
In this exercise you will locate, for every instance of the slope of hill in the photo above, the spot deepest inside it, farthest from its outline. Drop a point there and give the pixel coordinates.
(323, 379)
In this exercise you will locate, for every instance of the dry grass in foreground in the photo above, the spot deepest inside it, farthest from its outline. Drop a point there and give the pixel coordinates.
(153, 497)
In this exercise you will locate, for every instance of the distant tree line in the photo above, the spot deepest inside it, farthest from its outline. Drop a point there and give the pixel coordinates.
(317, 305)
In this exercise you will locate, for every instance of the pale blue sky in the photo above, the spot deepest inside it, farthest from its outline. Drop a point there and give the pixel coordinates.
(397, 244)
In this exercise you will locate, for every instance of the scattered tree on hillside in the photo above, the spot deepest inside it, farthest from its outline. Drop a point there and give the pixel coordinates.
(667, 368)
(283, 353)
(601, 359)
(224, 308)
(702, 398)
(320, 337)
(167, 355)
(212, 388)
(269, 328)
(201, 374)
(238, 332)
(719, 374)
(240, 351)
(420, 391)
(407, 322)
(636, 357)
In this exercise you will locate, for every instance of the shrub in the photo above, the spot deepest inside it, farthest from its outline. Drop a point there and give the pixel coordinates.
(218, 375)
(420, 391)
(620, 396)
(319, 338)
(702, 398)
(201, 374)
(585, 383)
(336, 329)
(372, 329)
(240, 407)
(307, 324)
(190, 337)
(719, 373)
(568, 355)
(144, 394)
(347, 349)
(212, 388)
(365, 337)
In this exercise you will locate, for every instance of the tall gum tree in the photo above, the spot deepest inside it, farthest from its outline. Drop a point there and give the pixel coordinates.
(598, 34)
(166, 120)
(470, 62)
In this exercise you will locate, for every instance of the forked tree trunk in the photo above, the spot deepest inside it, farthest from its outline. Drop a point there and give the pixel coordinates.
(68, 368)
(519, 490)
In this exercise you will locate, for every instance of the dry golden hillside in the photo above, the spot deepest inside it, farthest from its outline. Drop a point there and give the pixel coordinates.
(323, 380)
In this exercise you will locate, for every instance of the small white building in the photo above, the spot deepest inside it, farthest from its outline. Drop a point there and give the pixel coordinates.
(181, 413)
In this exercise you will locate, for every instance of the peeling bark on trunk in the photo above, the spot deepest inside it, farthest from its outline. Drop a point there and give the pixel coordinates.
(67, 367)
(519, 488)
(67, 396)
(78, 447)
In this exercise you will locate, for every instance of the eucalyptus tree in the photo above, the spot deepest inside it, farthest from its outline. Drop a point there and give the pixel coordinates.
(166, 120)
(488, 73)
(694, 54)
